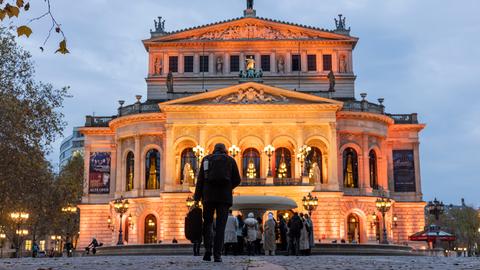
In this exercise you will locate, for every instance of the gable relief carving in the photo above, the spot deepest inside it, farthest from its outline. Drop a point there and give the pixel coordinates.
(250, 96)
(250, 31)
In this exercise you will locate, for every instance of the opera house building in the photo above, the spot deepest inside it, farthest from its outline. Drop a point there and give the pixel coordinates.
(281, 96)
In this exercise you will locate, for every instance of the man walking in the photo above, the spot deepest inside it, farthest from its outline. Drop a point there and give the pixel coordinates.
(217, 178)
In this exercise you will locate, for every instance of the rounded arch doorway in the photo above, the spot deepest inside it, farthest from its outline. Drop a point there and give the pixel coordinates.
(353, 228)
(150, 229)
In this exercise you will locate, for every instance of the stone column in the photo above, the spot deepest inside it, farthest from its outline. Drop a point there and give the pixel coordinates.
(181, 64)
(273, 62)
(196, 63)
(319, 61)
(166, 62)
(226, 63)
(258, 61)
(333, 177)
(137, 182)
(288, 62)
(303, 61)
(365, 186)
(389, 160)
(169, 160)
(211, 63)
(242, 61)
(335, 61)
(113, 168)
(119, 179)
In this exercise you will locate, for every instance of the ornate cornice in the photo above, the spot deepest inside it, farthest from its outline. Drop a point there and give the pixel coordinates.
(136, 118)
(407, 127)
(96, 131)
(250, 107)
(365, 116)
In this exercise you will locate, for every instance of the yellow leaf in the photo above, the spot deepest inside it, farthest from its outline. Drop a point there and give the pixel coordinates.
(2, 14)
(11, 10)
(24, 30)
(62, 47)
(19, 3)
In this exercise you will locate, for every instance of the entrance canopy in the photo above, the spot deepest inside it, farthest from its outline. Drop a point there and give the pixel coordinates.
(263, 203)
(431, 234)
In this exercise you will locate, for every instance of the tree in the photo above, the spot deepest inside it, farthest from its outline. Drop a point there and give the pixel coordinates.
(15, 8)
(30, 121)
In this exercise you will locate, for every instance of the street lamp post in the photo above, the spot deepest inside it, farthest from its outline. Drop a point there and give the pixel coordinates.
(19, 218)
(436, 208)
(69, 211)
(310, 203)
(121, 207)
(199, 154)
(2, 242)
(269, 149)
(302, 154)
(383, 205)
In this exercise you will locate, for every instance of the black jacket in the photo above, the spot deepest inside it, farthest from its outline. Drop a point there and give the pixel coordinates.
(217, 178)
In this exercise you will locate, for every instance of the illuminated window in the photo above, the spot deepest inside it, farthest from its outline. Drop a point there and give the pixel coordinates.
(251, 163)
(188, 166)
(42, 245)
(152, 172)
(372, 164)
(28, 244)
(283, 163)
(350, 168)
(150, 229)
(130, 164)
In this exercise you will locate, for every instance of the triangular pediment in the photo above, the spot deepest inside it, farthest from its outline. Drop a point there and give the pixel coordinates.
(251, 93)
(251, 29)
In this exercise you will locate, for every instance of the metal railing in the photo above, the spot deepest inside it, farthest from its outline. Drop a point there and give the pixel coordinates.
(276, 182)
(137, 108)
(98, 121)
(404, 118)
(363, 106)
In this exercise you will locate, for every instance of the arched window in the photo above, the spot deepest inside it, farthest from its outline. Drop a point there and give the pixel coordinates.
(152, 172)
(350, 168)
(251, 163)
(130, 171)
(188, 166)
(150, 229)
(372, 164)
(313, 166)
(353, 228)
(283, 163)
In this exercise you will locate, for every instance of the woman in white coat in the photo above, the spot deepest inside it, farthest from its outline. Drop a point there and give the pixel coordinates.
(230, 239)
(251, 225)
(269, 241)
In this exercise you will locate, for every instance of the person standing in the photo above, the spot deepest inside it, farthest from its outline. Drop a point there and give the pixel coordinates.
(240, 240)
(283, 233)
(217, 177)
(231, 233)
(311, 236)
(304, 244)
(251, 225)
(193, 228)
(269, 241)
(295, 226)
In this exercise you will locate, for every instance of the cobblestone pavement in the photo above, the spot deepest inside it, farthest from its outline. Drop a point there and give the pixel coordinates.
(252, 263)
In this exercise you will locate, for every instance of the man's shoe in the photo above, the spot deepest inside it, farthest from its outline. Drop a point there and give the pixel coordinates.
(207, 257)
(217, 259)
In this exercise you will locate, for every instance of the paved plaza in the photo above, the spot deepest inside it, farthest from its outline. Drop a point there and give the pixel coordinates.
(251, 263)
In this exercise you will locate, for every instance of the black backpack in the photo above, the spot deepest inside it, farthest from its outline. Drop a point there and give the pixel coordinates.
(219, 170)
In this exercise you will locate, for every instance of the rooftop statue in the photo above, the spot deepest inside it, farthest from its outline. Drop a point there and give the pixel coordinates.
(249, 4)
(331, 81)
(250, 63)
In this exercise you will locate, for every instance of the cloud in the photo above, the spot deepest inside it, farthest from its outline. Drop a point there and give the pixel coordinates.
(421, 56)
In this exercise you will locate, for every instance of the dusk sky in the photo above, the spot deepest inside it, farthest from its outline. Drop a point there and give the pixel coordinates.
(421, 56)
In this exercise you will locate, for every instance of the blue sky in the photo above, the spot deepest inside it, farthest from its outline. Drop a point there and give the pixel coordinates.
(421, 56)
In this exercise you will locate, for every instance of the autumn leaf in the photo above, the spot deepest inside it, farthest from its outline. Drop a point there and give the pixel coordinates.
(20, 3)
(27, 6)
(2, 14)
(11, 10)
(24, 30)
(62, 47)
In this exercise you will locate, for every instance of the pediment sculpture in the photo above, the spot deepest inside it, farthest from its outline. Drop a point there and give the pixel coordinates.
(250, 96)
(249, 31)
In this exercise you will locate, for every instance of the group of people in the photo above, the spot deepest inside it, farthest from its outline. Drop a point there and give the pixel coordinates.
(250, 234)
(217, 178)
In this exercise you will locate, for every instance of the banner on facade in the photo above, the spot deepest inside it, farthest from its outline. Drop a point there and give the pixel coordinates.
(99, 174)
(404, 171)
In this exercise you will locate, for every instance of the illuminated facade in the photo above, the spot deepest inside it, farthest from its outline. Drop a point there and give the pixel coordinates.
(253, 82)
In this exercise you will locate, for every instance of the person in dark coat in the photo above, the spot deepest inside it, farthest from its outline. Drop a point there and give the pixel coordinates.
(193, 228)
(217, 178)
(283, 233)
(295, 226)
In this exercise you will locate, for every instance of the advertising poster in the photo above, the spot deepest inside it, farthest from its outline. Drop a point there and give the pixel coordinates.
(99, 176)
(404, 171)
